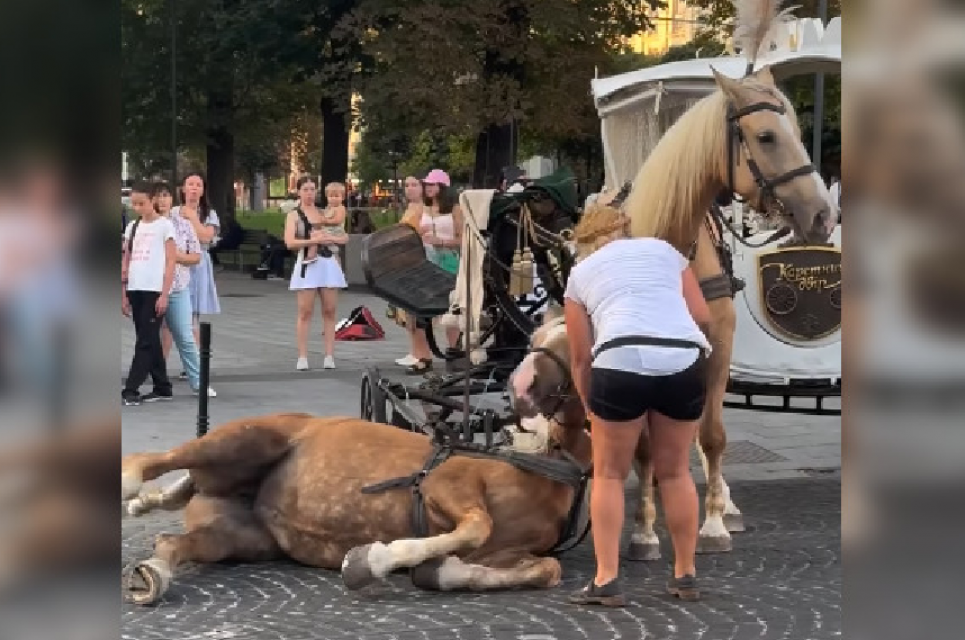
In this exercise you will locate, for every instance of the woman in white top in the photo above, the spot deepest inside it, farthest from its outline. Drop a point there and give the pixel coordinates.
(636, 321)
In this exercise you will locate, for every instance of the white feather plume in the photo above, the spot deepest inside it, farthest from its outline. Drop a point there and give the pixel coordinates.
(756, 24)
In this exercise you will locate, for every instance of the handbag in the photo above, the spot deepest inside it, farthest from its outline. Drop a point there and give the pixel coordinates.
(448, 261)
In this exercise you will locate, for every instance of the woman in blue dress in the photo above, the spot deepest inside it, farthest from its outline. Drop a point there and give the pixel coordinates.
(195, 209)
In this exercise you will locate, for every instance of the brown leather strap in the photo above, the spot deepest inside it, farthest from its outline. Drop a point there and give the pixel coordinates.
(717, 287)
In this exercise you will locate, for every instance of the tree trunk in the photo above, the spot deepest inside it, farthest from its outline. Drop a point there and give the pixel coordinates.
(335, 134)
(497, 144)
(220, 152)
(495, 149)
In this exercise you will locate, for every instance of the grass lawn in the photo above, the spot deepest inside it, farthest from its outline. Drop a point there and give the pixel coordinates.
(273, 220)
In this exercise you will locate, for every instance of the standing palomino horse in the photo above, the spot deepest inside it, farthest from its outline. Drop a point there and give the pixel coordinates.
(346, 493)
(742, 138)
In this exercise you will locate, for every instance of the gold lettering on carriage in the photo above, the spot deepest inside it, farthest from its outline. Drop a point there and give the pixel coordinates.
(800, 290)
(814, 278)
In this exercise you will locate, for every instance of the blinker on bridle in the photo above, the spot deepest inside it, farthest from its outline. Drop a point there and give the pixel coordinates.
(564, 390)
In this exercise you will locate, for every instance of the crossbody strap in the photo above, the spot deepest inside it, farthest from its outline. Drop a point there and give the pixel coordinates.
(653, 341)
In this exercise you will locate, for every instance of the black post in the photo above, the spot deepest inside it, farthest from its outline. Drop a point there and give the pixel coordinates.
(205, 377)
(172, 16)
(816, 140)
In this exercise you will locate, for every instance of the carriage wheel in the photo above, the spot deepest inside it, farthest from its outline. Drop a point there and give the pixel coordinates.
(836, 298)
(373, 399)
(781, 299)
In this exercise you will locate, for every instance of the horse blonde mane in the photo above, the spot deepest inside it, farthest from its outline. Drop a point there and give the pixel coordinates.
(670, 187)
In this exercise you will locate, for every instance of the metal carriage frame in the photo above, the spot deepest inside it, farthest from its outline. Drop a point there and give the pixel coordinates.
(397, 270)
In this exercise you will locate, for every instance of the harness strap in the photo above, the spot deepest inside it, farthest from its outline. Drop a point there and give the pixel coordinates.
(627, 341)
(420, 526)
(719, 286)
(308, 234)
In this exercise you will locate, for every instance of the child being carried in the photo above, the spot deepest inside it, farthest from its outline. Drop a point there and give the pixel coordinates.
(333, 224)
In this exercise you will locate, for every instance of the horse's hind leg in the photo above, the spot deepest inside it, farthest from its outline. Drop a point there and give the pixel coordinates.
(239, 450)
(507, 569)
(170, 498)
(644, 544)
(218, 529)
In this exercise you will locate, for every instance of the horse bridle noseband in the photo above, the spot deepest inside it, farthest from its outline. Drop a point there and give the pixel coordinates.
(564, 390)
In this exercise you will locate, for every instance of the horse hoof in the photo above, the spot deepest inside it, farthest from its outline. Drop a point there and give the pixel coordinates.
(145, 582)
(734, 522)
(644, 551)
(356, 570)
(714, 544)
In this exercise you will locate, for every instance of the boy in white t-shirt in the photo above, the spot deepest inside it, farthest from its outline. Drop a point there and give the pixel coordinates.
(147, 277)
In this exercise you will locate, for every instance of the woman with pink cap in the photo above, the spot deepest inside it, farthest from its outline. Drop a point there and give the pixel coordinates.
(441, 229)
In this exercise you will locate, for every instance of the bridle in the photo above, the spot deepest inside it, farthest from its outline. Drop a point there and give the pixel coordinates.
(767, 196)
(564, 391)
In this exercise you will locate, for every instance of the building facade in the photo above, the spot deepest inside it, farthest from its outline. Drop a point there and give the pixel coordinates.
(676, 24)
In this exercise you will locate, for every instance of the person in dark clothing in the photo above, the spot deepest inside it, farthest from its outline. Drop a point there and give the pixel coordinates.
(231, 236)
(273, 254)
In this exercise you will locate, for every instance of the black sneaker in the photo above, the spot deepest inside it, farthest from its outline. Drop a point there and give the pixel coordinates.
(129, 399)
(183, 375)
(157, 397)
(684, 587)
(608, 595)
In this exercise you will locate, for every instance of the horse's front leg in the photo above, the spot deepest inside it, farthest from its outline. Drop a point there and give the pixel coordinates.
(506, 569)
(644, 544)
(372, 562)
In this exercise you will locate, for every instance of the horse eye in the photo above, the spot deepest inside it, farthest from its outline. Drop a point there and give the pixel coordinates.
(766, 137)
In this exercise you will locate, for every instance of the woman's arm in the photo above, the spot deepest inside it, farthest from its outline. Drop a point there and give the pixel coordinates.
(457, 226)
(579, 331)
(696, 303)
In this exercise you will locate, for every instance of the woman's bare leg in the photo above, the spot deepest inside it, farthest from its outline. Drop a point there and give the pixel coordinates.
(614, 444)
(329, 311)
(670, 445)
(306, 302)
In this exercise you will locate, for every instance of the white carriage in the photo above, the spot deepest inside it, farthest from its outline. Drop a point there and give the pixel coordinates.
(788, 339)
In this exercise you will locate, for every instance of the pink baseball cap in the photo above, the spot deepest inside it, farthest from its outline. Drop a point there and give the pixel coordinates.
(437, 176)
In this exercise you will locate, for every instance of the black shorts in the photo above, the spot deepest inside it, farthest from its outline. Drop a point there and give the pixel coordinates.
(621, 396)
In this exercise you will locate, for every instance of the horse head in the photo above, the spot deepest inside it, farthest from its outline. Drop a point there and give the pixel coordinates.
(742, 139)
(766, 161)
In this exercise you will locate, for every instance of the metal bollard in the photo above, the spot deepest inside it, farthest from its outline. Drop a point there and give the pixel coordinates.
(205, 349)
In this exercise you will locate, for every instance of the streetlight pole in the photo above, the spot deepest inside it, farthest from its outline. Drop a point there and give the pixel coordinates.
(818, 131)
(172, 16)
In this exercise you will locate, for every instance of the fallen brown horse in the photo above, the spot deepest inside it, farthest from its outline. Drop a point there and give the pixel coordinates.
(292, 484)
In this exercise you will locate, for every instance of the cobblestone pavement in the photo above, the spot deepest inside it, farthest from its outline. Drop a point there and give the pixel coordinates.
(782, 581)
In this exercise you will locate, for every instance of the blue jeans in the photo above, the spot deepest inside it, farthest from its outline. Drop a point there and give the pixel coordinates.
(178, 318)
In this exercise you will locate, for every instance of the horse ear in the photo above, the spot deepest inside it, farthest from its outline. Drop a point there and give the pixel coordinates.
(729, 86)
(764, 75)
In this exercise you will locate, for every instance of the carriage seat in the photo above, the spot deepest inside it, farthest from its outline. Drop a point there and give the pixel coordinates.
(397, 270)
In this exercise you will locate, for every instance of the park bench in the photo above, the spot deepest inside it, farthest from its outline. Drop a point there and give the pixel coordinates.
(248, 252)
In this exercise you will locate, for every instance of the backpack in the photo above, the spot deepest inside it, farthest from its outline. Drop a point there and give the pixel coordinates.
(360, 325)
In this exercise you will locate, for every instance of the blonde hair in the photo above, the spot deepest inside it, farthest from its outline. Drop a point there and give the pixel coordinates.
(599, 225)
(335, 186)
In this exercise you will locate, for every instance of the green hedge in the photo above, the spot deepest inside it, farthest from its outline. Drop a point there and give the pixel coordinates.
(273, 220)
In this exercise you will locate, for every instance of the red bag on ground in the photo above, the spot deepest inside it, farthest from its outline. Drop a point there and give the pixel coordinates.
(360, 325)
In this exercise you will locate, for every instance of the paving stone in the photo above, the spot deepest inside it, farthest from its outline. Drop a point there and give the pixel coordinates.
(782, 581)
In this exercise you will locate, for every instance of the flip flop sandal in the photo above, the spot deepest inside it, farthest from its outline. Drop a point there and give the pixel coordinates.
(684, 587)
(608, 595)
(422, 366)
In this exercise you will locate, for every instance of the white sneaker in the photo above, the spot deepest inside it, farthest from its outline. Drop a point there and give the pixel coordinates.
(211, 392)
(407, 361)
(329, 363)
(302, 364)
